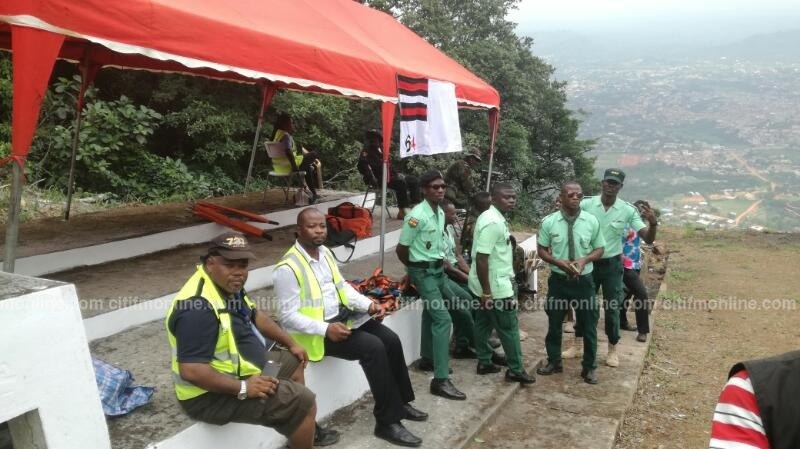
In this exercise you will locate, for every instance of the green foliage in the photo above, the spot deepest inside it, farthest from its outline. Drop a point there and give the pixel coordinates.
(154, 136)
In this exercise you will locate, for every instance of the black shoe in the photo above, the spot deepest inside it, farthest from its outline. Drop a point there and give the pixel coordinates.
(464, 353)
(325, 437)
(397, 434)
(499, 359)
(446, 389)
(426, 365)
(523, 377)
(494, 342)
(488, 369)
(550, 368)
(589, 376)
(628, 327)
(414, 414)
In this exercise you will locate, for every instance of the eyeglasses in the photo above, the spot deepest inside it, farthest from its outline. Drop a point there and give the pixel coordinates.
(577, 195)
(437, 186)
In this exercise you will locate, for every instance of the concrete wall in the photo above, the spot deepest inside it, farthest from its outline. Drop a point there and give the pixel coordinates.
(126, 249)
(47, 388)
(110, 323)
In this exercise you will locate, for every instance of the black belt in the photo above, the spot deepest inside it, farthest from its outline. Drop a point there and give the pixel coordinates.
(426, 264)
(607, 260)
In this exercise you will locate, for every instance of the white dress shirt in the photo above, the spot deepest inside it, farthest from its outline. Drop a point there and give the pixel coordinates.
(287, 290)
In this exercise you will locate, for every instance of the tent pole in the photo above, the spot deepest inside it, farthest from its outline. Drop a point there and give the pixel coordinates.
(387, 121)
(264, 102)
(76, 138)
(12, 227)
(493, 122)
(384, 181)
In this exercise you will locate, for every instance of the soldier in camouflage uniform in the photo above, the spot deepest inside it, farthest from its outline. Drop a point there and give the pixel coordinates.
(460, 179)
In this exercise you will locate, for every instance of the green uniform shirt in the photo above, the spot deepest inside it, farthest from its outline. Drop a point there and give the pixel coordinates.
(613, 221)
(492, 237)
(450, 244)
(423, 233)
(586, 237)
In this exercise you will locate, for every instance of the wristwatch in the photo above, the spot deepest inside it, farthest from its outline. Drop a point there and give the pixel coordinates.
(242, 392)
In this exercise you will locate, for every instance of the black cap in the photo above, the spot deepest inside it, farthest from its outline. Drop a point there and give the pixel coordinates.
(614, 174)
(232, 246)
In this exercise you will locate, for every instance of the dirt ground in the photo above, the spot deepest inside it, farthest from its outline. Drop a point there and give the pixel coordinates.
(729, 297)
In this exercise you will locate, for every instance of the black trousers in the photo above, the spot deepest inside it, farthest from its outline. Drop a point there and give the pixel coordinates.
(380, 353)
(311, 170)
(635, 289)
(407, 190)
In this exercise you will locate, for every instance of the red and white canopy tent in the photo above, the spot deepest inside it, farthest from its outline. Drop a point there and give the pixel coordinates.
(337, 47)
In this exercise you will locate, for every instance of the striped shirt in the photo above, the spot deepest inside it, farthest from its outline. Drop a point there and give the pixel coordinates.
(737, 421)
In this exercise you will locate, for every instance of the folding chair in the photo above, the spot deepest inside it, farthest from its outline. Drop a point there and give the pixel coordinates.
(390, 195)
(276, 150)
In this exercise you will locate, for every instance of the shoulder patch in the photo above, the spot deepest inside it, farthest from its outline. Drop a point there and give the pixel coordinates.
(413, 222)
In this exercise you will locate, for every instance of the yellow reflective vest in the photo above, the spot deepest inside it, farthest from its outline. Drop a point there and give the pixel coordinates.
(311, 304)
(226, 355)
(281, 164)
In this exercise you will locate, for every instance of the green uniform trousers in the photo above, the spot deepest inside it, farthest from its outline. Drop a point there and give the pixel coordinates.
(459, 305)
(563, 292)
(431, 286)
(607, 274)
(499, 314)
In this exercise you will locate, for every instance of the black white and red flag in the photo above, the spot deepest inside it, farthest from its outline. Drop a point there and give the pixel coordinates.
(428, 116)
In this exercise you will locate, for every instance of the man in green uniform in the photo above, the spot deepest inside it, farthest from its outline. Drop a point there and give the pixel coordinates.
(491, 278)
(613, 214)
(421, 250)
(570, 241)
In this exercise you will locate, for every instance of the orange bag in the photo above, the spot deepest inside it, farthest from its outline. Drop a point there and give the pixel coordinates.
(361, 227)
(350, 210)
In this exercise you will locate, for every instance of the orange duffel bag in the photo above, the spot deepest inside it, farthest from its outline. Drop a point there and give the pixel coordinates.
(350, 210)
(361, 227)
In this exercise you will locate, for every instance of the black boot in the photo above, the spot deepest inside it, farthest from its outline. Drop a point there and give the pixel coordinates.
(550, 368)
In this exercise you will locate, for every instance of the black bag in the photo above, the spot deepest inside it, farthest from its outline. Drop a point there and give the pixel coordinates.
(345, 237)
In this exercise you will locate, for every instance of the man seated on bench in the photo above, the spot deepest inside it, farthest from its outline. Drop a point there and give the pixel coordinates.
(297, 158)
(327, 316)
(218, 375)
(370, 165)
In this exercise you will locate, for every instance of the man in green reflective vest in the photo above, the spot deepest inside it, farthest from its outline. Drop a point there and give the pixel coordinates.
(328, 317)
(421, 250)
(570, 240)
(219, 343)
(491, 278)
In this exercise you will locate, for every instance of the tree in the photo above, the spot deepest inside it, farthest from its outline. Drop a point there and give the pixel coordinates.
(538, 146)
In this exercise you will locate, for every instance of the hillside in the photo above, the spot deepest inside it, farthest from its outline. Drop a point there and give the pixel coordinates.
(728, 297)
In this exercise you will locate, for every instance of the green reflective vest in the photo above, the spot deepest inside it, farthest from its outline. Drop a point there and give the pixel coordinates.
(311, 304)
(226, 355)
(282, 164)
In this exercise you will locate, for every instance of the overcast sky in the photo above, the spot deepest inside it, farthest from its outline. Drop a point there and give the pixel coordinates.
(590, 15)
